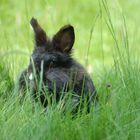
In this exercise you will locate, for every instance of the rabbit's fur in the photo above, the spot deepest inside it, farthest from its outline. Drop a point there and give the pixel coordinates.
(60, 72)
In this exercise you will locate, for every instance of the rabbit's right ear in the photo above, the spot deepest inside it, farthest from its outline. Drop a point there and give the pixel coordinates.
(64, 39)
(40, 34)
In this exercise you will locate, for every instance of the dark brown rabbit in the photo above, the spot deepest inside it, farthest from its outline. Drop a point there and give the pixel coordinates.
(51, 61)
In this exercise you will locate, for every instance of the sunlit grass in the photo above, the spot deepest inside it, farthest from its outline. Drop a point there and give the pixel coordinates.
(107, 35)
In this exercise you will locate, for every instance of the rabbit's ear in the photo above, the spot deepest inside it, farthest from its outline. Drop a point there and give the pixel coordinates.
(64, 39)
(40, 34)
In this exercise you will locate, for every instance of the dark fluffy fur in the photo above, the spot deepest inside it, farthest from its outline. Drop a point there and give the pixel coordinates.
(59, 68)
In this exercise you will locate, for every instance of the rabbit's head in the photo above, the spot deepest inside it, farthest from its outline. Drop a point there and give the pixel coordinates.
(53, 52)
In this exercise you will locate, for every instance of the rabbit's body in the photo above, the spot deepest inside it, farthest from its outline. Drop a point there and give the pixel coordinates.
(60, 72)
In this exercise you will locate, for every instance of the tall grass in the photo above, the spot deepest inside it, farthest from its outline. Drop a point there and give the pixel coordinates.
(117, 115)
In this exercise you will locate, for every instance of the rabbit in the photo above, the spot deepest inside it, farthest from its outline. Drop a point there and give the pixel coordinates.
(53, 57)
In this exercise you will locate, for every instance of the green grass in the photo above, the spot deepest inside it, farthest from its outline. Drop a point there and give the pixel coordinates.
(107, 34)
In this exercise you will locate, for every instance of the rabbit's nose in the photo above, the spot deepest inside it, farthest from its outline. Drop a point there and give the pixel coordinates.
(51, 65)
(47, 58)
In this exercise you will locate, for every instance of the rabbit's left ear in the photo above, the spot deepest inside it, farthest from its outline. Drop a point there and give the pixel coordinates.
(40, 34)
(64, 39)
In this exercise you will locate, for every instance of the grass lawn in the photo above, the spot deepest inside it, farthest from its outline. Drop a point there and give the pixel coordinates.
(107, 44)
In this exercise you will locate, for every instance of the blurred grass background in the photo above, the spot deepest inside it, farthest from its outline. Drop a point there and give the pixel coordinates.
(16, 37)
(116, 78)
